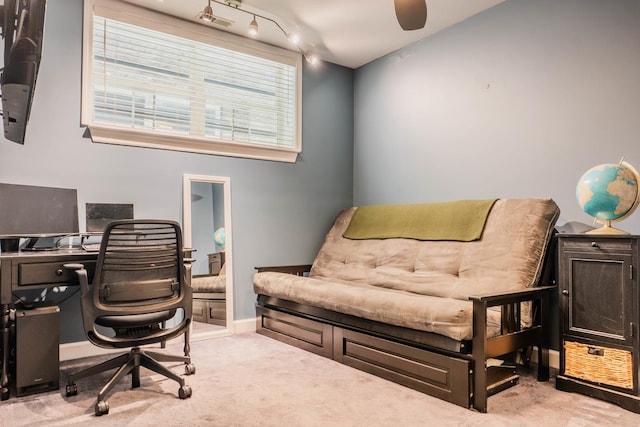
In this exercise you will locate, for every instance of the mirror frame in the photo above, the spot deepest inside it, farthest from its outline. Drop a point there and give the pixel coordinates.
(187, 240)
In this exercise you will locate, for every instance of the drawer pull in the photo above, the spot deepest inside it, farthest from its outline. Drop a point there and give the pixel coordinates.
(59, 272)
(595, 351)
(594, 245)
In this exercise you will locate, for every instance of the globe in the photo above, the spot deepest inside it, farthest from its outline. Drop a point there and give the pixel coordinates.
(219, 237)
(609, 192)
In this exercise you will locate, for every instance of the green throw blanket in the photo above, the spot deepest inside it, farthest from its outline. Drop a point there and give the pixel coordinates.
(461, 220)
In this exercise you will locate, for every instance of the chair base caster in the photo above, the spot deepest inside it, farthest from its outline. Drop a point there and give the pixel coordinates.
(72, 389)
(189, 369)
(184, 392)
(101, 408)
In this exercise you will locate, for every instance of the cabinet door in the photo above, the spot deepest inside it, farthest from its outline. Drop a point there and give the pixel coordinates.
(597, 296)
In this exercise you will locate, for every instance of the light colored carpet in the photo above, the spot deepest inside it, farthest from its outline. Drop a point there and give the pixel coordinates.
(250, 380)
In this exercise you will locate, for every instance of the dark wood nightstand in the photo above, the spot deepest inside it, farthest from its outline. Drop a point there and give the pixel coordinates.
(599, 317)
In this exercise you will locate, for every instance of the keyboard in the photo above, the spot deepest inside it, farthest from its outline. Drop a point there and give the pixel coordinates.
(91, 247)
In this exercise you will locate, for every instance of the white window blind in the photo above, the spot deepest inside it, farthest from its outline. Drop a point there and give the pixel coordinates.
(187, 90)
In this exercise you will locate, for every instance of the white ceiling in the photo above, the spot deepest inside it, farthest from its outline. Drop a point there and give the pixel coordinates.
(346, 32)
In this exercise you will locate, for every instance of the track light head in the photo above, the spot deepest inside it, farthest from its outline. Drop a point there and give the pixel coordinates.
(253, 27)
(207, 13)
(294, 38)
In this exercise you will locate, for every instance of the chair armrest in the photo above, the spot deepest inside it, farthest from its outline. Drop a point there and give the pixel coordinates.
(513, 296)
(297, 270)
(83, 279)
(188, 252)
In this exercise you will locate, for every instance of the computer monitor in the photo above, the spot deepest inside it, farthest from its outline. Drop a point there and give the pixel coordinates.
(99, 215)
(28, 211)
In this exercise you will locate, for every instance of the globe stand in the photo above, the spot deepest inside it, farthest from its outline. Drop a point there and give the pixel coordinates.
(606, 229)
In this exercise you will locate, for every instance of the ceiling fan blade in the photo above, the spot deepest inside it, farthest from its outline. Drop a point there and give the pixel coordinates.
(411, 14)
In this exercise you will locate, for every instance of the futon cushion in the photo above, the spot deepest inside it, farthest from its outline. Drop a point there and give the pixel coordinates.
(424, 285)
(446, 316)
(209, 283)
(508, 257)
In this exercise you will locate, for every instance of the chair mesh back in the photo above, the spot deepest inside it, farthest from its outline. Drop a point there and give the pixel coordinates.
(140, 261)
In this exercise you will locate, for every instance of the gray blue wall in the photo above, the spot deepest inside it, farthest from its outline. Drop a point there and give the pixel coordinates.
(517, 101)
(280, 211)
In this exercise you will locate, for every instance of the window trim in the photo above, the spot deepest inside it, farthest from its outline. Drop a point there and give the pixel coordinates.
(131, 14)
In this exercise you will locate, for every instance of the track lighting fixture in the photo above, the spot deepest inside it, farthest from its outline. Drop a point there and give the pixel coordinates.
(208, 16)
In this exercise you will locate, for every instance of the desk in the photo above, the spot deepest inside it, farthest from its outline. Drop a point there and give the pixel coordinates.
(33, 270)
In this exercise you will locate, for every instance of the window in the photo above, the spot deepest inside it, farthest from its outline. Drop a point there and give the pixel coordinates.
(155, 81)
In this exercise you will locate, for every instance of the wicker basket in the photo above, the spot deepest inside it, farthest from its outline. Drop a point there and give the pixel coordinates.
(603, 365)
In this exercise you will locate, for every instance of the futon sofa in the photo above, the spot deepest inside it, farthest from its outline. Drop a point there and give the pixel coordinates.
(445, 298)
(210, 298)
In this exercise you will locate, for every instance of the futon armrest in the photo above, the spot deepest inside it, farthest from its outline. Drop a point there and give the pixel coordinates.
(297, 270)
(512, 337)
(513, 296)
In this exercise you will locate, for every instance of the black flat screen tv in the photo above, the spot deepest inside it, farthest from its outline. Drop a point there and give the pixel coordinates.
(23, 30)
(29, 211)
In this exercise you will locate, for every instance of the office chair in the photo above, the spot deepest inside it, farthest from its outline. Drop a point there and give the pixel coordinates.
(142, 283)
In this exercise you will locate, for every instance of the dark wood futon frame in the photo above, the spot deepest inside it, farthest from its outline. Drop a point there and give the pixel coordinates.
(461, 372)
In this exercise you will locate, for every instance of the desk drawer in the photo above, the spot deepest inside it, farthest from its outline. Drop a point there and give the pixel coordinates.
(49, 272)
(599, 244)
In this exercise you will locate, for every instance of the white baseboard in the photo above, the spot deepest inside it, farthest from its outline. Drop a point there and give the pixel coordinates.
(554, 358)
(80, 349)
(77, 350)
(249, 325)
(244, 325)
